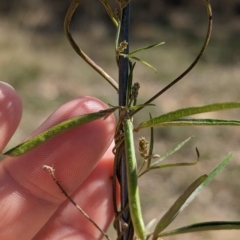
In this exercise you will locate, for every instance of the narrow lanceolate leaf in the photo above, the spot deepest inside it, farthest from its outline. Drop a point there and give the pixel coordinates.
(140, 60)
(210, 177)
(183, 202)
(181, 164)
(188, 196)
(144, 63)
(170, 215)
(56, 130)
(132, 108)
(184, 112)
(205, 226)
(151, 145)
(201, 122)
(175, 149)
(145, 48)
(155, 165)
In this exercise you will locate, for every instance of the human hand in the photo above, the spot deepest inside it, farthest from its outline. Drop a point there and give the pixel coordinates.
(32, 206)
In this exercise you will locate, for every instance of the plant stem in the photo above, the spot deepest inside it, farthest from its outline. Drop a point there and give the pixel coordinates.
(123, 82)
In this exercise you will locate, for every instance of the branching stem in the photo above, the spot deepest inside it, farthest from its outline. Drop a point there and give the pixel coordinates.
(51, 171)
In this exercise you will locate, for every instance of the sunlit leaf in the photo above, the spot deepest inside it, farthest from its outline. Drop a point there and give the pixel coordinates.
(184, 112)
(205, 226)
(154, 165)
(56, 130)
(188, 196)
(201, 122)
(145, 48)
(210, 177)
(151, 145)
(139, 60)
(150, 225)
(176, 207)
(181, 164)
(129, 82)
(110, 12)
(175, 149)
(140, 106)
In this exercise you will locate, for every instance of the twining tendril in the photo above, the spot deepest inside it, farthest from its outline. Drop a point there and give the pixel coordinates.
(72, 8)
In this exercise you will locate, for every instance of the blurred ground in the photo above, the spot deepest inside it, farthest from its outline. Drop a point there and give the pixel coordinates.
(46, 73)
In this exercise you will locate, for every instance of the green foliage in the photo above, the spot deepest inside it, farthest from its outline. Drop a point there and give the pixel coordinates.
(184, 112)
(56, 130)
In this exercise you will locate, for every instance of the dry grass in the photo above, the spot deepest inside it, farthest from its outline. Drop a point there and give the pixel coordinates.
(46, 73)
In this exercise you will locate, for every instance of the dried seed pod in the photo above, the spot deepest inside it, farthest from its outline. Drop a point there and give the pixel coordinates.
(143, 147)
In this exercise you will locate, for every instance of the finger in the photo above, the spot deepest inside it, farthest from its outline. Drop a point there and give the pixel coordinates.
(94, 196)
(30, 191)
(10, 113)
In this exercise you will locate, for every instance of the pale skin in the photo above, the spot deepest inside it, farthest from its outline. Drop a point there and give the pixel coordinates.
(31, 204)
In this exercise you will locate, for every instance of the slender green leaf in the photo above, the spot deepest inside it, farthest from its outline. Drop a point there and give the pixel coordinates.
(210, 177)
(150, 151)
(200, 122)
(110, 12)
(130, 78)
(188, 196)
(150, 225)
(170, 215)
(181, 164)
(145, 48)
(205, 226)
(139, 60)
(154, 165)
(144, 63)
(56, 130)
(178, 164)
(175, 149)
(132, 108)
(180, 113)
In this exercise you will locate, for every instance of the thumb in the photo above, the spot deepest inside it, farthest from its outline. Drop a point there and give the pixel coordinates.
(10, 113)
